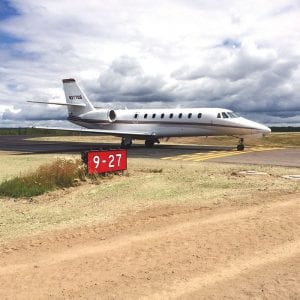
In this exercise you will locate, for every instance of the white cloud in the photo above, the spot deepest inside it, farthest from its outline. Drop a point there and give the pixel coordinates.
(238, 54)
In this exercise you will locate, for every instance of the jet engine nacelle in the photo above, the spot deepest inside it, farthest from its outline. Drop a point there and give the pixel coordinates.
(108, 115)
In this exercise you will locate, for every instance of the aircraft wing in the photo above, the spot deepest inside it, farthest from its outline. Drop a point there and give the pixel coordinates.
(100, 131)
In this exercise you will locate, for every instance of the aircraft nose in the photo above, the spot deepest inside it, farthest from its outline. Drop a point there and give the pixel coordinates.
(263, 129)
(266, 130)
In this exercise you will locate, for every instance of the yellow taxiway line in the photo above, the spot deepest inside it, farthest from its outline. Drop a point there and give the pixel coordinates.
(215, 154)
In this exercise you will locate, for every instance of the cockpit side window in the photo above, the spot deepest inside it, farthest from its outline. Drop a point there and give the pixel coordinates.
(219, 116)
(224, 115)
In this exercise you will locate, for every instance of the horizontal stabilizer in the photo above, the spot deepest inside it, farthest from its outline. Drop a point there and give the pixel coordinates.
(58, 103)
(100, 131)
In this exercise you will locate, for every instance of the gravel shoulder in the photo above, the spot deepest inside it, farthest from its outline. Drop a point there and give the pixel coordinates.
(164, 252)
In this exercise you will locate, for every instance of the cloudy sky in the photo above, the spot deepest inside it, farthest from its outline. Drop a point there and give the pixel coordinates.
(241, 55)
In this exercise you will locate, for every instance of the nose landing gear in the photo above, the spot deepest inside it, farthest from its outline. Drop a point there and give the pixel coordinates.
(240, 146)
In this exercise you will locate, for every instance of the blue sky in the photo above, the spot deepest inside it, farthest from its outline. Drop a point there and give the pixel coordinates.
(241, 55)
(7, 10)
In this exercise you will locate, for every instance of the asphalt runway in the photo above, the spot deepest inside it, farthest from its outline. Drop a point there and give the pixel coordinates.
(181, 153)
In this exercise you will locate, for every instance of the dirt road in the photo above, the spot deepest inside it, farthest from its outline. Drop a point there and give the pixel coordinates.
(167, 252)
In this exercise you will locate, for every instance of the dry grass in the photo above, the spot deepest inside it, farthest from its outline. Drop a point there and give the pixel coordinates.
(18, 164)
(61, 173)
(150, 183)
(79, 138)
(271, 140)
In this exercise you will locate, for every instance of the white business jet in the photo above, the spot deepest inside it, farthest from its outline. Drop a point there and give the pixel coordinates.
(153, 124)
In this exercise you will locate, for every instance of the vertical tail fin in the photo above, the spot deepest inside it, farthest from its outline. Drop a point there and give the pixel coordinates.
(74, 95)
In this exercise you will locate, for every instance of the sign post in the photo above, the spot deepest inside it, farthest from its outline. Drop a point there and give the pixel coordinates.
(105, 161)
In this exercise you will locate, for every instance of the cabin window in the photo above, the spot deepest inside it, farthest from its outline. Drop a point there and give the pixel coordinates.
(112, 115)
(162, 116)
(135, 116)
(180, 116)
(219, 116)
(153, 116)
(145, 116)
(224, 115)
(199, 115)
(189, 115)
(171, 116)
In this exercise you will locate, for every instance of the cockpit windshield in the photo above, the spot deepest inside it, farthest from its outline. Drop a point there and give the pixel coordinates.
(232, 114)
(227, 114)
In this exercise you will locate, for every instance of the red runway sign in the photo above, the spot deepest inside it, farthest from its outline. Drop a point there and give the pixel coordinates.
(106, 161)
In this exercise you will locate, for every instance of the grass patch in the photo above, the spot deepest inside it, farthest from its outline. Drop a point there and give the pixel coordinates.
(180, 183)
(61, 173)
(271, 140)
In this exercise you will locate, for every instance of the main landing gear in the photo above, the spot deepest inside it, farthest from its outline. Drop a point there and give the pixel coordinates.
(126, 142)
(150, 142)
(240, 146)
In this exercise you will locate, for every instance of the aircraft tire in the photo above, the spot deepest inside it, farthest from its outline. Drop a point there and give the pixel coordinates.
(240, 147)
(149, 143)
(125, 144)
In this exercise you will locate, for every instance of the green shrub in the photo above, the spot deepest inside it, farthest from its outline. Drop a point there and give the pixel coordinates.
(62, 173)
